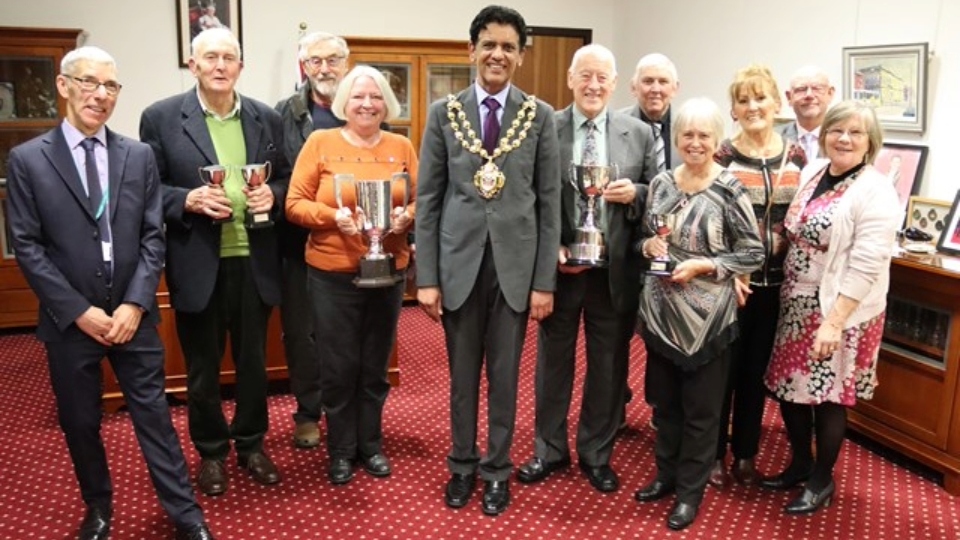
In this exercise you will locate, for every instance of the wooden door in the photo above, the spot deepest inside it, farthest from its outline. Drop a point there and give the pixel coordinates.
(546, 60)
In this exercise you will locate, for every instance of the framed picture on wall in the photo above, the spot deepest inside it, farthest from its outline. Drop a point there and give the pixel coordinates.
(903, 164)
(928, 215)
(892, 78)
(194, 16)
(950, 239)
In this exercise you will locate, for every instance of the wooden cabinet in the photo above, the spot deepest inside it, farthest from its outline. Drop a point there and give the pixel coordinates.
(916, 408)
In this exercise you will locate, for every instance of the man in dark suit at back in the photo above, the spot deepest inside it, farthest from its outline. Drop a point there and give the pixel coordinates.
(810, 95)
(224, 278)
(488, 229)
(87, 225)
(607, 295)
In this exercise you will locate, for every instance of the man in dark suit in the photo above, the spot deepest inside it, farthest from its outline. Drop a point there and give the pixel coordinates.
(606, 296)
(487, 237)
(87, 225)
(223, 278)
(809, 95)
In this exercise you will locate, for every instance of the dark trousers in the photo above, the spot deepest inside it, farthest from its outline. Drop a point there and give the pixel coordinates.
(688, 419)
(296, 318)
(608, 346)
(485, 325)
(356, 330)
(746, 394)
(76, 377)
(235, 308)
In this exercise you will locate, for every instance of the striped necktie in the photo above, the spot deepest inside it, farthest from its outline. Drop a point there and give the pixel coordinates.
(658, 146)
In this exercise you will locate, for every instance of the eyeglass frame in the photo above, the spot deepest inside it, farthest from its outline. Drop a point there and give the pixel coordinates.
(815, 89)
(112, 88)
(852, 134)
(332, 62)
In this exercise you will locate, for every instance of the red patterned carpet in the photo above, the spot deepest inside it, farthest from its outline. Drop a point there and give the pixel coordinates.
(876, 499)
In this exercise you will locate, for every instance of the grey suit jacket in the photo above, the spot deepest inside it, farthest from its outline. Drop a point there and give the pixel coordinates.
(55, 232)
(630, 146)
(789, 131)
(177, 131)
(674, 159)
(454, 222)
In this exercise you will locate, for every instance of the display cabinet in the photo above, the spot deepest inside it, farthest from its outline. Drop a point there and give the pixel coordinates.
(916, 407)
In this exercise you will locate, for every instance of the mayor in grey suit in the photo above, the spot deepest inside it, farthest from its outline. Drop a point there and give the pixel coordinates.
(487, 238)
(606, 297)
(223, 278)
(87, 230)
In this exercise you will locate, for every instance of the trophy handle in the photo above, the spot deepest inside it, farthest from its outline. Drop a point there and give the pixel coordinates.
(406, 188)
(337, 190)
(573, 176)
(269, 167)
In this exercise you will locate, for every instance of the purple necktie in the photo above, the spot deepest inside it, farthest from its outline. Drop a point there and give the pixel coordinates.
(491, 125)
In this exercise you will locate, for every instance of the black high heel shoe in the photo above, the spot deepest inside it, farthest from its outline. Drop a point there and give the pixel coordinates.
(809, 501)
(788, 479)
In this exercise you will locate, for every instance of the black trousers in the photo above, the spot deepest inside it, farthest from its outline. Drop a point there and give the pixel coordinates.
(77, 381)
(607, 334)
(296, 318)
(688, 419)
(235, 308)
(355, 330)
(484, 326)
(745, 395)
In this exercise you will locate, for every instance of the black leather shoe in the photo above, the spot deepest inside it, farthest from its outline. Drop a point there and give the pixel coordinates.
(744, 471)
(459, 489)
(602, 478)
(96, 523)
(682, 516)
(340, 471)
(538, 469)
(654, 491)
(810, 501)
(200, 531)
(496, 497)
(377, 465)
(719, 477)
(788, 479)
(260, 468)
(212, 478)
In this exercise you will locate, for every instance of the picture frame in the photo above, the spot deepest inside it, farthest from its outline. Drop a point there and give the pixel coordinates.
(8, 101)
(950, 238)
(193, 16)
(398, 77)
(904, 164)
(928, 215)
(893, 79)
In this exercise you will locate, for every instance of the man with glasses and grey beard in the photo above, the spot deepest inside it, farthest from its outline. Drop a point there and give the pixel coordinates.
(810, 94)
(323, 58)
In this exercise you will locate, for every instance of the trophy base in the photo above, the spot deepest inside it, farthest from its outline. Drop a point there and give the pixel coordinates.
(661, 267)
(258, 221)
(221, 221)
(376, 273)
(593, 263)
(589, 249)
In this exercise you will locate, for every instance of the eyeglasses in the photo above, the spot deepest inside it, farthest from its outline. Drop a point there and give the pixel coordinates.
(853, 134)
(332, 61)
(89, 84)
(817, 89)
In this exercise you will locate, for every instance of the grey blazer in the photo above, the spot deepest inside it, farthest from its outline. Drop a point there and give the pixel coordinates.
(454, 222)
(630, 146)
(634, 111)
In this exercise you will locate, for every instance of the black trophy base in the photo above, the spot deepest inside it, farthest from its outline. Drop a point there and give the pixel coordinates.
(375, 273)
(661, 267)
(258, 221)
(592, 263)
(221, 221)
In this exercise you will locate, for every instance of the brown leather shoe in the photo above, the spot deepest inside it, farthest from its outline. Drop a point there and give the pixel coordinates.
(745, 472)
(260, 468)
(212, 478)
(306, 435)
(719, 477)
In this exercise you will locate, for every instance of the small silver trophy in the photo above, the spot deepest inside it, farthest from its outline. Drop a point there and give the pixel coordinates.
(589, 247)
(374, 199)
(663, 265)
(255, 175)
(214, 176)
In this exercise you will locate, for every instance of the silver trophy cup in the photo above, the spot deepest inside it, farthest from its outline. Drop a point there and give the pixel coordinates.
(255, 175)
(374, 200)
(589, 247)
(215, 176)
(661, 266)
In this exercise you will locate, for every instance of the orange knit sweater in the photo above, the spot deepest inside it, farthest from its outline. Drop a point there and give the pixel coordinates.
(312, 203)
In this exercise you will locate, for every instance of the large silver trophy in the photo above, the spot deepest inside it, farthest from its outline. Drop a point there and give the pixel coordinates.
(214, 176)
(589, 247)
(377, 267)
(255, 175)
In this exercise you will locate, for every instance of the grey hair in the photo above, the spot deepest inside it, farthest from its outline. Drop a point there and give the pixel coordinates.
(314, 38)
(846, 110)
(214, 35)
(656, 60)
(597, 50)
(338, 107)
(701, 112)
(87, 53)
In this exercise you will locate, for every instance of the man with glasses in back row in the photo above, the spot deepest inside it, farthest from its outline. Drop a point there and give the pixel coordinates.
(323, 58)
(810, 95)
(87, 226)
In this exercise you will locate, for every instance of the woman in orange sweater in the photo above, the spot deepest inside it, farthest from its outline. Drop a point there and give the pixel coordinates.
(355, 318)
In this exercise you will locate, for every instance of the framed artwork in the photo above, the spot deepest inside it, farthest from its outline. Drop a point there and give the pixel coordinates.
(903, 164)
(194, 16)
(928, 215)
(8, 101)
(892, 78)
(950, 239)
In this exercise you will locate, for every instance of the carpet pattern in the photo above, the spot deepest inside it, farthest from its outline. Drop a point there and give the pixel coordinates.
(876, 498)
